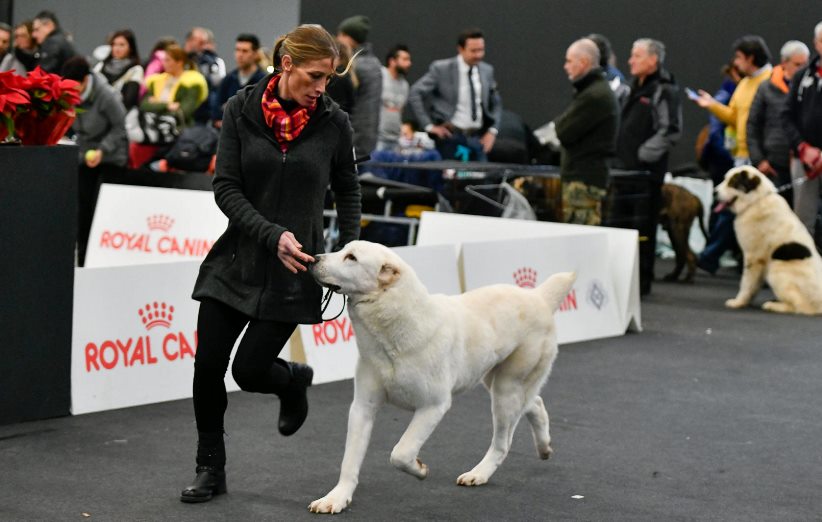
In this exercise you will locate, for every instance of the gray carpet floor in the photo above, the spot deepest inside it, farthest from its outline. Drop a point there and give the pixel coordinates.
(709, 414)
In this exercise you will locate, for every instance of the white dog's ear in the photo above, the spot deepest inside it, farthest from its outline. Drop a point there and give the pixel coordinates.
(388, 274)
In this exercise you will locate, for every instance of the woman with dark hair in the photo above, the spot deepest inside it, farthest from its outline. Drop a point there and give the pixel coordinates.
(122, 68)
(283, 142)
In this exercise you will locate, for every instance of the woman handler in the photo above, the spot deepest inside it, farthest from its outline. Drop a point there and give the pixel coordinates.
(282, 143)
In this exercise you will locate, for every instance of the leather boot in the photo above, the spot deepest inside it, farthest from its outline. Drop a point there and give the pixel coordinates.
(210, 479)
(294, 401)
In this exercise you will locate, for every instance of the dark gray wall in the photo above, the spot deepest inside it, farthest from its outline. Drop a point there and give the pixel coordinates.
(89, 21)
(5, 11)
(526, 39)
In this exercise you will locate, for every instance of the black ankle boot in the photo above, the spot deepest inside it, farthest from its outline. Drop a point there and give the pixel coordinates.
(210, 479)
(294, 402)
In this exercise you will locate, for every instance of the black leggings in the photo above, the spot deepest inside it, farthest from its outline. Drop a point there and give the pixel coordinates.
(256, 367)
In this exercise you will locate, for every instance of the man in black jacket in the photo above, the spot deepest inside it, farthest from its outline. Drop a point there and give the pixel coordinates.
(802, 121)
(55, 48)
(650, 126)
(587, 133)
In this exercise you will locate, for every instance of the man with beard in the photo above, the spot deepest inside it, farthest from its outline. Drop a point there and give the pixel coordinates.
(457, 102)
(752, 59)
(394, 95)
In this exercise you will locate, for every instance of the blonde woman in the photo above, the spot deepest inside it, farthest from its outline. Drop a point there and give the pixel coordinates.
(283, 142)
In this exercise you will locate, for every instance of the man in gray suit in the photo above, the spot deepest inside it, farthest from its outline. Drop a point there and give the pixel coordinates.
(457, 101)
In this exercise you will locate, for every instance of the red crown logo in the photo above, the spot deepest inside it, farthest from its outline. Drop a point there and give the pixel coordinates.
(160, 222)
(156, 314)
(525, 277)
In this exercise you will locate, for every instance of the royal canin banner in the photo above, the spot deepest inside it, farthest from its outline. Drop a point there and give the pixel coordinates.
(589, 311)
(138, 225)
(605, 298)
(331, 347)
(134, 336)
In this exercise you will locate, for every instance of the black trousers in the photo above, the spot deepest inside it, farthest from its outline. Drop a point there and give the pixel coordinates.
(647, 249)
(256, 366)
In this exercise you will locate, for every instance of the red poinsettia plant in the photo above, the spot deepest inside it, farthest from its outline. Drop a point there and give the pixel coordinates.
(37, 109)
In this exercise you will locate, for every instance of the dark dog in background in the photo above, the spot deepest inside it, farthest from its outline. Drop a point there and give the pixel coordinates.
(679, 209)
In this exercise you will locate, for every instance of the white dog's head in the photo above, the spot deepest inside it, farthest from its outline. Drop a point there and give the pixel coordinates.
(742, 187)
(361, 268)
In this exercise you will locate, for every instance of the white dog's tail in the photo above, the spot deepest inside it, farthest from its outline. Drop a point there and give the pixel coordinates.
(556, 288)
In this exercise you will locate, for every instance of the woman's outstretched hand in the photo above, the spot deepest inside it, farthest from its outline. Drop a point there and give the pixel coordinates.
(289, 250)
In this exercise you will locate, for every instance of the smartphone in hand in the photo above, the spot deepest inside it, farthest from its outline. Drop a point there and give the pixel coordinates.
(692, 94)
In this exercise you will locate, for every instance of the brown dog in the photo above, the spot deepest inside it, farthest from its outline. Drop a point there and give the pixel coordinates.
(679, 209)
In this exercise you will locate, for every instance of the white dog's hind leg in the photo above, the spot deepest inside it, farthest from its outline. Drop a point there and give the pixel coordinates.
(537, 416)
(792, 299)
(404, 456)
(507, 403)
(367, 399)
(778, 306)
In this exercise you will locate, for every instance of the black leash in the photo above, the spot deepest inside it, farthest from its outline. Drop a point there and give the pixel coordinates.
(327, 301)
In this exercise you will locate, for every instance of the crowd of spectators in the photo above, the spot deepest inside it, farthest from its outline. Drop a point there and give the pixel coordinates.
(762, 114)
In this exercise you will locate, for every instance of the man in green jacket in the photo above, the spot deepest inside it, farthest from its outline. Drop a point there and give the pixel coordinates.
(587, 132)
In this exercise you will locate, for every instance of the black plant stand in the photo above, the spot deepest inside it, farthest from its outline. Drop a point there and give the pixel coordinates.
(38, 214)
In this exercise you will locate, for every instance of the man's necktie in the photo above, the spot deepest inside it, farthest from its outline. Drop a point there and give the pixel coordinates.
(473, 94)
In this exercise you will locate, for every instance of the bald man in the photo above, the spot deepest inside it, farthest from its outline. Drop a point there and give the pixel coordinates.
(587, 132)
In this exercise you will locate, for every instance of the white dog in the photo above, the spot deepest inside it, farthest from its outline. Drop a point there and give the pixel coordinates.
(776, 246)
(417, 350)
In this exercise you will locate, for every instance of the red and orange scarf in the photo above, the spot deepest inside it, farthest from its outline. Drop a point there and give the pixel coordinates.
(286, 125)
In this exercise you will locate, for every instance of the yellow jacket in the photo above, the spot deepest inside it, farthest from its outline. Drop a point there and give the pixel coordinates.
(190, 92)
(735, 114)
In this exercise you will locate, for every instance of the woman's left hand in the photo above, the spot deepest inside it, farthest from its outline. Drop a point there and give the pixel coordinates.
(289, 250)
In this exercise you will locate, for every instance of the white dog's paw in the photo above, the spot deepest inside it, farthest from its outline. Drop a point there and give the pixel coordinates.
(472, 478)
(545, 451)
(421, 470)
(735, 303)
(329, 504)
(416, 467)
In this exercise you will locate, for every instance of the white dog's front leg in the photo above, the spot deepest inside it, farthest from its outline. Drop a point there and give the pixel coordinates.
(752, 277)
(367, 400)
(404, 456)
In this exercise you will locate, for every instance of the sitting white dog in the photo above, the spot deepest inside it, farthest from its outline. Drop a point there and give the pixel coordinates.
(776, 245)
(417, 350)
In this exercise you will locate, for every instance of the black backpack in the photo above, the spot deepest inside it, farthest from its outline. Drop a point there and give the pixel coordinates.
(194, 149)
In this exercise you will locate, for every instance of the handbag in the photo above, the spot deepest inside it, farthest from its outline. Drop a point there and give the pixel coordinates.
(150, 128)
